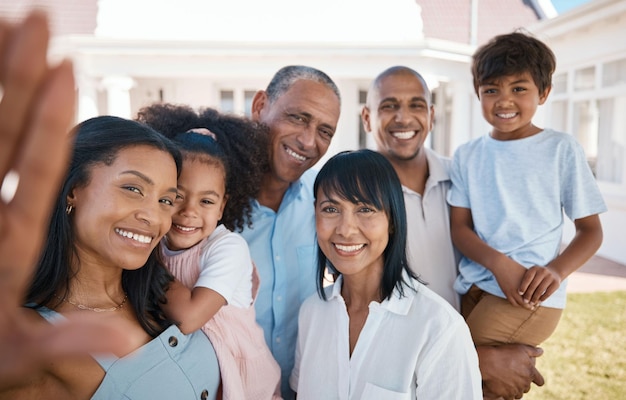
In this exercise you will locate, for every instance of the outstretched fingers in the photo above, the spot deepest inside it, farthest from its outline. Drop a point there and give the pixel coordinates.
(42, 160)
(22, 70)
(36, 112)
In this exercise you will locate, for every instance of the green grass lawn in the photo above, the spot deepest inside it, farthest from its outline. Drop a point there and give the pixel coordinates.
(585, 359)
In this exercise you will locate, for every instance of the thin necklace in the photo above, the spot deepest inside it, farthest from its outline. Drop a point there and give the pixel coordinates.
(94, 309)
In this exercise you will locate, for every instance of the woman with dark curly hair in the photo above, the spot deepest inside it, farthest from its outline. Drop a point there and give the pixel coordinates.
(224, 157)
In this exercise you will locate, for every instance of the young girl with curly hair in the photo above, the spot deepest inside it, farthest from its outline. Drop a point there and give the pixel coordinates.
(224, 157)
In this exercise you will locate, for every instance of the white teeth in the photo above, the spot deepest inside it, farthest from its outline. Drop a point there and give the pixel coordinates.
(185, 228)
(349, 249)
(134, 236)
(295, 155)
(403, 135)
(509, 115)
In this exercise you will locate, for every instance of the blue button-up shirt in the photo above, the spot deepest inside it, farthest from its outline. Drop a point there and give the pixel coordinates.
(283, 247)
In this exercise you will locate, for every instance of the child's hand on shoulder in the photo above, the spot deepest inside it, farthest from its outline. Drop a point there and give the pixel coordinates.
(538, 284)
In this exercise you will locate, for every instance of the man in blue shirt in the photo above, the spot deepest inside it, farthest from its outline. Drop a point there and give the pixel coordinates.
(301, 108)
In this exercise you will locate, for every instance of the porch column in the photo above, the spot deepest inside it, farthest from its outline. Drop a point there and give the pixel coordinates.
(118, 95)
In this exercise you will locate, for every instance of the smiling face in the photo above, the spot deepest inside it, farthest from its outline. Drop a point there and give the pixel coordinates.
(352, 236)
(125, 208)
(302, 122)
(200, 203)
(399, 114)
(509, 104)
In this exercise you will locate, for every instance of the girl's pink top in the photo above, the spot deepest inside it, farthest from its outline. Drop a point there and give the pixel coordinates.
(247, 366)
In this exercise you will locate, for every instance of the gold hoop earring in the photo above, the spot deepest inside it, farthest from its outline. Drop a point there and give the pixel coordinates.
(68, 209)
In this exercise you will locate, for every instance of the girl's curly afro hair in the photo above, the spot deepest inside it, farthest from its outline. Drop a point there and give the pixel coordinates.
(240, 144)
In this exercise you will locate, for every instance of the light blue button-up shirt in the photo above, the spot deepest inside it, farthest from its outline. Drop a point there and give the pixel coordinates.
(283, 247)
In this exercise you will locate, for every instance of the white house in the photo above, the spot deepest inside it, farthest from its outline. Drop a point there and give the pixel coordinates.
(215, 53)
(219, 53)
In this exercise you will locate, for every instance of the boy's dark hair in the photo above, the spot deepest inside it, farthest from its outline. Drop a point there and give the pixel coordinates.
(512, 54)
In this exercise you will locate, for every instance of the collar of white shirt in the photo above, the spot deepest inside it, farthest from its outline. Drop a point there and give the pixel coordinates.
(397, 304)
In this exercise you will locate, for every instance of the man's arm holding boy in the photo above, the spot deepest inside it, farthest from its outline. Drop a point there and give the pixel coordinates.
(508, 370)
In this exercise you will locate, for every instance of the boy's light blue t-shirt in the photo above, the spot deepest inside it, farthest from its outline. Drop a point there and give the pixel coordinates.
(517, 191)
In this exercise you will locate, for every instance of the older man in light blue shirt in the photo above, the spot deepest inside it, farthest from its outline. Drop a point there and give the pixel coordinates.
(301, 108)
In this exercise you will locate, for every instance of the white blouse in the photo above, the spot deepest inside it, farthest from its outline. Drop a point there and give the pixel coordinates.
(414, 347)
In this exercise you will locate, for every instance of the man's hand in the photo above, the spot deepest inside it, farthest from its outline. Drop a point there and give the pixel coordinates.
(508, 370)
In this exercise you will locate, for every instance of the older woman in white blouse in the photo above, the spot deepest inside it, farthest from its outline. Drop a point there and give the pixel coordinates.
(377, 332)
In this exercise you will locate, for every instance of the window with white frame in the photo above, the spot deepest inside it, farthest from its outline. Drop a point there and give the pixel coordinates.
(584, 79)
(610, 165)
(614, 73)
(559, 84)
(585, 124)
(559, 115)
(227, 101)
(236, 101)
(248, 96)
(591, 106)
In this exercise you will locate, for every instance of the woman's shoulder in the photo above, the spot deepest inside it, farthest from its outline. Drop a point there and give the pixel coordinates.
(315, 302)
(172, 365)
(225, 243)
(226, 248)
(428, 304)
(59, 379)
(42, 313)
(223, 235)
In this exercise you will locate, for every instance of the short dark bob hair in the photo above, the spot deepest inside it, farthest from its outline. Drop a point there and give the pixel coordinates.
(365, 176)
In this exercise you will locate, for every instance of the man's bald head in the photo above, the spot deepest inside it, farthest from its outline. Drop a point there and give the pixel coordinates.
(391, 71)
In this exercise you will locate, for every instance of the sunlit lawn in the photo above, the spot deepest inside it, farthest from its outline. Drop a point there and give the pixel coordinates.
(585, 359)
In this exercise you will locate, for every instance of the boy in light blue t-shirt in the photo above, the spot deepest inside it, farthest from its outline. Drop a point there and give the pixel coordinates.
(509, 191)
